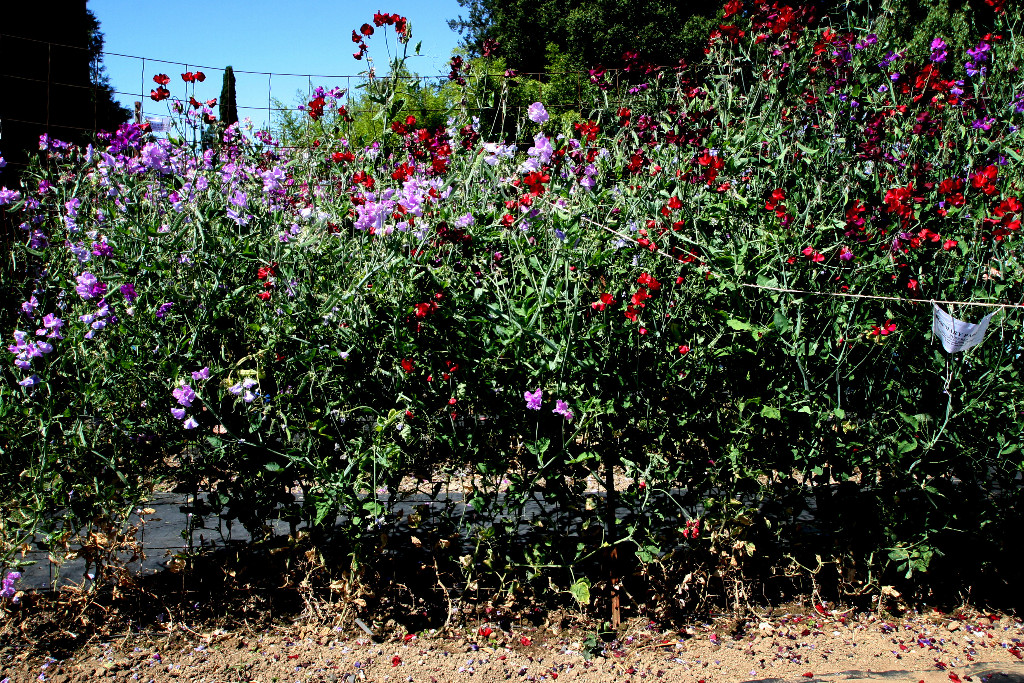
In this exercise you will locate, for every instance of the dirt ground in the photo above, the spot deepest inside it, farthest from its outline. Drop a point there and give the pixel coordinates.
(822, 645)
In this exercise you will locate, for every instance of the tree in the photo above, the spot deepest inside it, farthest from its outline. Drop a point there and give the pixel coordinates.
(52, 78)
(592, 31)
(109, 113)
(228, 108)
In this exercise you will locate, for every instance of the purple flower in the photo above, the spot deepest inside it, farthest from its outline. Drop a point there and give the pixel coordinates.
(178, 413)
(938, 51)
(980, 52)
(128, 290)
(29, 306)
(7, 591)
(164, 307)
(88, 286)
(984, 123)
(101, 248)
(537, 113)
(202, 374)
(30, 381)
(51, 322)
(533, 400)
(190, 423)
(541, 149)
(465, 221)
(185, 395)
(8, 196)
(562, 408)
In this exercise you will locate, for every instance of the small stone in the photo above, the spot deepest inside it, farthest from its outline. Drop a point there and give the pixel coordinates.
(984, 621)
(764, 626)
(953, 626)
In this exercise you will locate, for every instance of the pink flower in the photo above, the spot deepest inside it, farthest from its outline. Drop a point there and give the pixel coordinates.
(533, 400)
(562, 408)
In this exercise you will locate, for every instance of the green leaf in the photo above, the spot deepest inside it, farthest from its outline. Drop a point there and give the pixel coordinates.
(581, 591)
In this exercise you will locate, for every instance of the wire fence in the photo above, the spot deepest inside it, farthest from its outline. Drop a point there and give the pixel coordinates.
(261, 95)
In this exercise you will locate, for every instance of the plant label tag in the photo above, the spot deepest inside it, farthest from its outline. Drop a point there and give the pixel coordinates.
(956, 335)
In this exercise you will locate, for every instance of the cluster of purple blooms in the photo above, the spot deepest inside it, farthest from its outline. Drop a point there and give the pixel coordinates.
(7, 590)
(184, 395)
(245, 389)
(25, 349)
(533, 402)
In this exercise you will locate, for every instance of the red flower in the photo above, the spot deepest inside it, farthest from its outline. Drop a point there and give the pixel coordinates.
(684, 349)
(161, 79)
(159, 94)
(605, 300)
(366, 30)
(647, 281)
(188, 77)
(949, 244)
(408, 365)
(316, 108)
(265, 295)
(639, 298)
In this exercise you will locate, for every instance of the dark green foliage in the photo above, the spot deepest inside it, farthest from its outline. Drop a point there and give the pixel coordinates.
(228, 108)
(52, 79)
(592, 31)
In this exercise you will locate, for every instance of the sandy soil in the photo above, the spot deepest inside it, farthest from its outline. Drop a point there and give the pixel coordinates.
(835, 645)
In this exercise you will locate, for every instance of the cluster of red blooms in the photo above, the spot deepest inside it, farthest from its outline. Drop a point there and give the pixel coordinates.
(160, 93)
(1008, 212)
(587, 131)
(190, 77)
(710, 164)
(315, 108)
(882, 330)
(196, 104)
(425, 146)
(365, 31)
(455, 74)
(647, 282)
(265, 274)
(775, 203)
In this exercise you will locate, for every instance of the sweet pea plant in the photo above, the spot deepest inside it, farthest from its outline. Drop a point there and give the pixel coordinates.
(655, 292)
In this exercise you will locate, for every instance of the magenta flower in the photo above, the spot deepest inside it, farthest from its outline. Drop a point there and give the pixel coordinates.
(533, 400)
(562, 408)
(128, 290)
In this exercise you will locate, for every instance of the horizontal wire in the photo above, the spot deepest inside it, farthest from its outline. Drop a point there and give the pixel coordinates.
(836, 294)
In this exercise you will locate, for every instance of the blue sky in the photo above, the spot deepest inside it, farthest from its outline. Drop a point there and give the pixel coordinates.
(282, 36)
